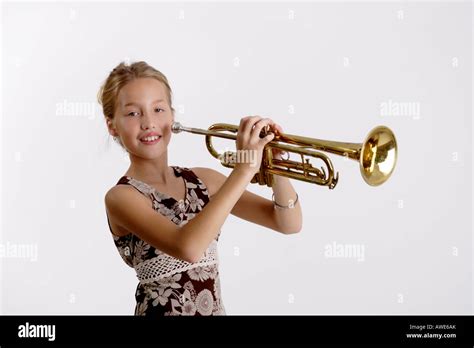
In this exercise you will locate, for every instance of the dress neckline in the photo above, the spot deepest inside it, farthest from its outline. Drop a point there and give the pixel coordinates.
(177, 173)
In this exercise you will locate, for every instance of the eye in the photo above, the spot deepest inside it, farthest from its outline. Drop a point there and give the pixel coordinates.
(159, 109)
(132, 113)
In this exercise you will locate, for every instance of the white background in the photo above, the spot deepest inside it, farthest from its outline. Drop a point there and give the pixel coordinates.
(319, 69)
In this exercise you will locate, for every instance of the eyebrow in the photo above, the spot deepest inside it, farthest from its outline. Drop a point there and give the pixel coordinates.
(155, 101)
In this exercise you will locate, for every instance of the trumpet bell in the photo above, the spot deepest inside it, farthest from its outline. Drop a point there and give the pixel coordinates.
(378, 156)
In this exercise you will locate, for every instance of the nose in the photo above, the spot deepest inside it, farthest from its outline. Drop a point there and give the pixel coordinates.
(147, 121)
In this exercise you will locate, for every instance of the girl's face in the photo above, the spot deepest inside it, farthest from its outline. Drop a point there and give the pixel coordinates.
(143, 111)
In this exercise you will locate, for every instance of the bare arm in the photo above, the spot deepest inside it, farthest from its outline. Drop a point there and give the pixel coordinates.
(204, 227)
(257, 209)
(190, 241)
(289, 220)
(132, 211)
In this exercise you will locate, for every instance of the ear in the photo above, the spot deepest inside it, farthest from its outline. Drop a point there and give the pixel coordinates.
(111, 127)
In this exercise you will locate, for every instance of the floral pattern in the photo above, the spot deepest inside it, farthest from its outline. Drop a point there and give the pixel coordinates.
(141, 249)
(195, 291)
(202, 273)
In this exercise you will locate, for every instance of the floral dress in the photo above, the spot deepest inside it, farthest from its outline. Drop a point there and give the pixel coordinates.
(168, 285)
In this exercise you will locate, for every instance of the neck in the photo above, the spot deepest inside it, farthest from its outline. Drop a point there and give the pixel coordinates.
(150, 171)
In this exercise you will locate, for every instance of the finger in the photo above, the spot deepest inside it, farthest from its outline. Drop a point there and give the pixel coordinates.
(249, 124)
(259, 126)
(265, 140)
(244, 120)
(276, 127)
(242, 125)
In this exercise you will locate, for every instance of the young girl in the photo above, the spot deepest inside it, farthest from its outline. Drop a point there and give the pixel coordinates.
(166, 220)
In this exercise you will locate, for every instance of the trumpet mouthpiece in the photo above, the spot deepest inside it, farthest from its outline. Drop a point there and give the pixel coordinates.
(176, 127)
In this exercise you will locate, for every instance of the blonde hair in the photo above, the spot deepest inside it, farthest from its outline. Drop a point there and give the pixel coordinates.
(119, 77)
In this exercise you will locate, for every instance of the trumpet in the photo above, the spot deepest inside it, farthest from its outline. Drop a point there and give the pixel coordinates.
(377, 155)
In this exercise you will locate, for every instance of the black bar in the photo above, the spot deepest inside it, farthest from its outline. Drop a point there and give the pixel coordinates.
(455, 331)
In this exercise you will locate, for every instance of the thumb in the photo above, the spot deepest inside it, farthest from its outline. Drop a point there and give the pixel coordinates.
(265, 140)
(269, 138)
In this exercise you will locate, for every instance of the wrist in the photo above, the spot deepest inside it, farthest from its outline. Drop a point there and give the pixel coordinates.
(290, 205)
(244, 170)
(280, 182)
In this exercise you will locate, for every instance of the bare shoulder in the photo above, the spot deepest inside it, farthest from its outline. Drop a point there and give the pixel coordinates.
(212, 178)
(123, 193)
(121, 197)
(115, 192)
(133, 211)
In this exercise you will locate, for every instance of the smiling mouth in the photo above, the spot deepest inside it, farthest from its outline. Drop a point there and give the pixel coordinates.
(151, 140)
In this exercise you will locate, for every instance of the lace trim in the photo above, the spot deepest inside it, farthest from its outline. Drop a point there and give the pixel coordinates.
(164, 265)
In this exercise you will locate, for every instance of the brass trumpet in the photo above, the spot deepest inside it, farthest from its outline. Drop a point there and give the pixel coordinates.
(377, 155)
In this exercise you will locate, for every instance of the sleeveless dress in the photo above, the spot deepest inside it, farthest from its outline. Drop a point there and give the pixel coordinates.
(168, 285)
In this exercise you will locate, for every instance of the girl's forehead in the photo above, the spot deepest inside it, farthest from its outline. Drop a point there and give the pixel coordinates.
(142, 90)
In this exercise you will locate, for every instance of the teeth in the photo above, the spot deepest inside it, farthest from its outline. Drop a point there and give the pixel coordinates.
(153, 138)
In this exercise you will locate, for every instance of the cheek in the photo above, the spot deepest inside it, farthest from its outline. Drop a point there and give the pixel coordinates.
(125, 124)
(166, 127)
(167, 133)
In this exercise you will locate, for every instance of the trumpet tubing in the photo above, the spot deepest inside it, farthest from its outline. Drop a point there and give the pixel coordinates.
(377, 155)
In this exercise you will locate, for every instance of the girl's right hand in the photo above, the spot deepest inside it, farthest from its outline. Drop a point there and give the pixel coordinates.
(250, 145)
